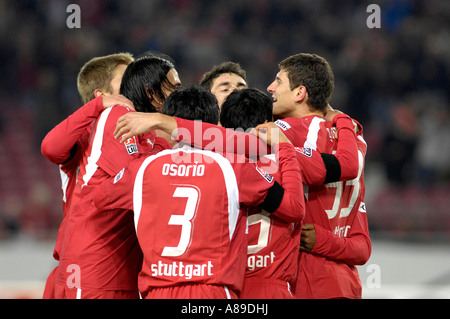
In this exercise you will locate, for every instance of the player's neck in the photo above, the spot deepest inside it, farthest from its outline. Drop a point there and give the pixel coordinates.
(304, 111)
(316, 113)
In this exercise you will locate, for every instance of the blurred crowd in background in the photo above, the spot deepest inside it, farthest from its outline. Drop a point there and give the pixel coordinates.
(395, 80)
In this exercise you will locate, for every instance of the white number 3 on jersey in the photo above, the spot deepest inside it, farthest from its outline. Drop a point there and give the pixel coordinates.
(184, 220)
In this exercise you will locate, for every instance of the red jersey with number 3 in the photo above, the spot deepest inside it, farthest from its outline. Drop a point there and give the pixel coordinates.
(190, 215)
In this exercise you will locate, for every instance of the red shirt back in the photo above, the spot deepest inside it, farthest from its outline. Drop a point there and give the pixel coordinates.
(272, 250)
(190, 215)
(101, 243)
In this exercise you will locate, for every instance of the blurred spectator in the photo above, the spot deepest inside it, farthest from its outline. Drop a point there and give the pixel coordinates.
(433, 150)
(36, 218)
(399, 145)
(10, 217)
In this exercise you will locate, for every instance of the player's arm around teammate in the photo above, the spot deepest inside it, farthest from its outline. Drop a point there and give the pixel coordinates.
(58, 150)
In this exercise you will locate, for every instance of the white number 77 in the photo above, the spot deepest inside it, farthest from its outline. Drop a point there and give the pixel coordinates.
(183, 220)
(345, 211)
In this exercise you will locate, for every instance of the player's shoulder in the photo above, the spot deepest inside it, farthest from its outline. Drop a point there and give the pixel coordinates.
(249, 171)
(116, 111)
(285, 124)
(305, 123)
(361, 143)
(110, 116)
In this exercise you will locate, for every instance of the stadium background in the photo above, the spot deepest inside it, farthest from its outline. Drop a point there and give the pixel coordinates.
(395, 80)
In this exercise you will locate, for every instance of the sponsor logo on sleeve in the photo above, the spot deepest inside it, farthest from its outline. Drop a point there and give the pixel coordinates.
(266, 176)
(283, 125)
(131, 145)
(307, 151)
(362, 207)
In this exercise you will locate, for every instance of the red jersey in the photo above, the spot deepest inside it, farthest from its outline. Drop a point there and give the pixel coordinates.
(64, 145)
(272, 253)
(274, 243)
(190, 213)
(337, 211)
(102, 242)
(212, 137)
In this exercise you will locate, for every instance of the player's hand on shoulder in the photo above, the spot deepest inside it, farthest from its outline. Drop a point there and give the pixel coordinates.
(331, 113)
(111, 100)
(132, 124)
(270, 133)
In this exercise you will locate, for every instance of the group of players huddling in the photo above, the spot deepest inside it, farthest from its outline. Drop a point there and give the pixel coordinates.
(216, 190)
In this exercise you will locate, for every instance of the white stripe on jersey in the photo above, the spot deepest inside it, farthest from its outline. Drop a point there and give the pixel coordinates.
(96, 150)
(313, 131)
(361, 139)
(227, 292)
(345, 211)
(228, 174)
(64, 183)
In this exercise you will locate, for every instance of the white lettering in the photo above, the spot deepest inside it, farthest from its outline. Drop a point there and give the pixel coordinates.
(259, 261)
(193, 309)
(183, 170)
(374, 19)
(74, 19)
(74, 279)
(179, 269)
(374, 279)
(342, 231)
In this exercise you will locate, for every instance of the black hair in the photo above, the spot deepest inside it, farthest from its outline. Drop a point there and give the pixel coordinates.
(192, 103)
(245, 109)
(143, 77)
(151, 53)
(223, 68)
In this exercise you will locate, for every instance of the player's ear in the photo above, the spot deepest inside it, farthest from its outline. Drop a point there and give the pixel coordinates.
(98, 92)
(300, 93)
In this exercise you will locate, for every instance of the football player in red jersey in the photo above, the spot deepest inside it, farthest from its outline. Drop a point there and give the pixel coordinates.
(278, 265)
(100, 257)
(273, 242)
(191, 205)
(223, 79)
(335, 236)
(341, 167)
(98, 85)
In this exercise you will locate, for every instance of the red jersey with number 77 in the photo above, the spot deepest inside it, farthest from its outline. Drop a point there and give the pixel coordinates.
(338, 213)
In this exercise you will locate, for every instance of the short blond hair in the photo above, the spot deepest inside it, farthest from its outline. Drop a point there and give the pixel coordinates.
(98, 72)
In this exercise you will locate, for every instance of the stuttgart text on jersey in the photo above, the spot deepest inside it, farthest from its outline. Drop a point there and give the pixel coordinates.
(260, 261)
(179, 269)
